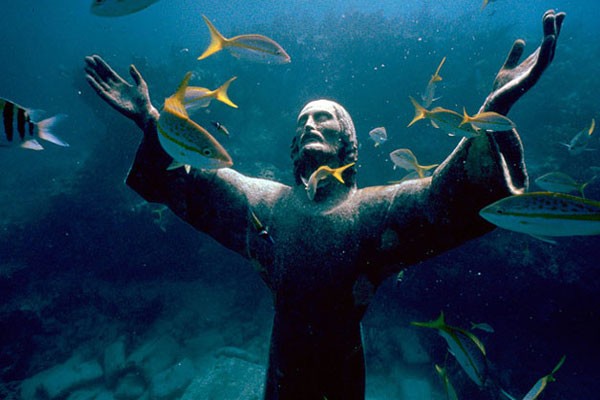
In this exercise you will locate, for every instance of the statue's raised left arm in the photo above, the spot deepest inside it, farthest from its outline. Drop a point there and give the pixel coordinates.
(434, 214)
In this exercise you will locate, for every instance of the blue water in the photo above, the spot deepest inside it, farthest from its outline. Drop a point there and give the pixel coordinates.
(83, 260)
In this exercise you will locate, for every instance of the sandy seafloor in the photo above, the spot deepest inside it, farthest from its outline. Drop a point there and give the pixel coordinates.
(103, 294)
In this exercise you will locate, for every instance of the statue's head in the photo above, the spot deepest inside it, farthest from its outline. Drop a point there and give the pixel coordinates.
(325, 134)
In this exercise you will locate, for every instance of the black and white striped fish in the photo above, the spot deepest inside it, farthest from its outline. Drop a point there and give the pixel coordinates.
(18, 128)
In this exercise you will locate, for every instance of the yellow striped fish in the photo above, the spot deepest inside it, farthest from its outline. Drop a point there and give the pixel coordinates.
(252, 47)
(537, 389)
(188, 143)
(441, 118)
(19, 129)
(545, 214)
(488, 121)
(322, 173)
(405, 159)
(468, 350)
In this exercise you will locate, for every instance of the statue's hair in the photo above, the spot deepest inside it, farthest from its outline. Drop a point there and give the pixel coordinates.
(348, 152)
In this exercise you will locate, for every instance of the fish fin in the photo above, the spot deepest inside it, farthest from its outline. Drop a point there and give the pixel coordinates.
(176, 164)
(175, 103)
(44, 130)
(420, 111)
(544, 238)
(507, 395)
(592, 126)
(304, 181)
(567, 145)
(485, 3)
(217, 41)
(221, 93)
(588, 149)
(35, 114)
(32, 144)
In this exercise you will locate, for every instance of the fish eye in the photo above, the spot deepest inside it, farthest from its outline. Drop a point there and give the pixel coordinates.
(207, 152)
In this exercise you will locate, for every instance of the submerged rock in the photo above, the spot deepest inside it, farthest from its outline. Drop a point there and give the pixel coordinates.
(62, 379)
(172, 382)
(228, 378)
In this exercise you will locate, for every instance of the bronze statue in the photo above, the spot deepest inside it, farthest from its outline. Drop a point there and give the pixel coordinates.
(328, 255)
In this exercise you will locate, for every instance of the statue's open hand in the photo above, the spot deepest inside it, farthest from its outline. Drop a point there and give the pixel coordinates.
(133, 101)
(514, 79)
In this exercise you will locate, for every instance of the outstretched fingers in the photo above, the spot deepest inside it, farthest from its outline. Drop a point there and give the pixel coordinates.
(514, 55)
(549, 23)
(545, 55)
(137, 77)
(560, 17)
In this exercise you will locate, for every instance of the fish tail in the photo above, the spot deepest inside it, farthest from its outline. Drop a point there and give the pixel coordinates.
(560, 363)
(420, 111)
(337, 173)
(438, 323)
(583, 186)
(221, 93)
(45, 127)
(436, 77)
(466, 118)
(217, 41)
(592, 126)
(421, 169)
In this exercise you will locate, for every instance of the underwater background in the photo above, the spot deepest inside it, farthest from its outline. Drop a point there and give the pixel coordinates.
(90, 272)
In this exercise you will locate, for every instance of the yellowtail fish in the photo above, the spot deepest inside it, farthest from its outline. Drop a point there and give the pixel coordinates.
(19, 129)
(321, 173)
(378, 135)
(220, 127)
(540, 385)
(263, 231)
(488, 121)
(448, 387)
(464, 346)
(118, 8)
(404, 158)
(199, 97)
(188, 143)
(561, 183)
(252, 47)
(580, 141)
(428, 96)
(545, 214)
(446, 120)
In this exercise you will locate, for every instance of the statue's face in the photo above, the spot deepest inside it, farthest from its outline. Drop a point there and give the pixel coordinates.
(318, 129)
